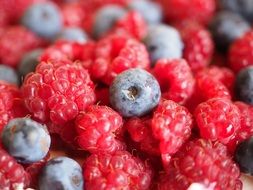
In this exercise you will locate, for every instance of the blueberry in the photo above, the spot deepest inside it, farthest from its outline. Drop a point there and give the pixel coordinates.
(244, 156)
(29, 62)
(26, 140)
(227, 27)
(61, 173)
(150, 10)
(105, 19)
(8, 74)
(163, 41)
(134, 92)
(243, 7)
(73, 34)
(44, 19)
(244, 85)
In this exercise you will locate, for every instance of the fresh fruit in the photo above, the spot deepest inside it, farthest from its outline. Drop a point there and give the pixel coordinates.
(9, 75)
(73, 34)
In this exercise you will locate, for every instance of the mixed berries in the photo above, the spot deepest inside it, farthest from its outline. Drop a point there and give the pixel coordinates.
(126, 94)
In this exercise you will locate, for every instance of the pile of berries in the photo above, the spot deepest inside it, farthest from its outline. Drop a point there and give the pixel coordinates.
(126, 94)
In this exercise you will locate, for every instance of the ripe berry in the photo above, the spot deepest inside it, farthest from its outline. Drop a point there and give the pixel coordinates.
(227, 27)
(44, 19)
(163, 41)
(175, 78)
(244, 85)
(97, 129)
(218, 119)
(9, 75)
(120, 170)
(61, 173)
(73, 34)
(134, 92)
(57, 91)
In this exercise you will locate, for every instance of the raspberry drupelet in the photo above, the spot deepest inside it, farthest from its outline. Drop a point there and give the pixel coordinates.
(58, 91)
(98, 128)
(120, 170)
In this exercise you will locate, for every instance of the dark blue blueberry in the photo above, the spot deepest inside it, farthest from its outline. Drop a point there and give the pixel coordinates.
(44, 19)
(227, 27)
(244, 156)
(61, 173)
(73, 34)
(244, 85)
(29, 62)
(8, 74)
(163, 41)
(150, 10)
(134, 92)
(26, 140)
(105, 19)
(243, 7)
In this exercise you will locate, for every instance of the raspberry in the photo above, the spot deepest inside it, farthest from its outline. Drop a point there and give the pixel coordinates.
(175, 78)
(204, 162)
(240, 52)
(246, 130)
(141, 132)
(97, 129)
(199, 10)
(171, 125)
(12, 47)
(120, 170)
(117, 53)
(218, 119)
(57, 91)
(68, 134)
(102, 95)
(12, 175)
(11, 103)
(198, 45)
(134, 24)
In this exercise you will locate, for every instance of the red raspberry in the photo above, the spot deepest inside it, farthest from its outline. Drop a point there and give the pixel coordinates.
(198, 10)
(14, 43)
(116, 53)
(171, 125)
(198, 45)
(11, 103)
(218, 119)
(69, 135)
(240, 53)
(175, 78)
(133, 24)
(141, 132)
(102, 95)
(12, 175)
(58, 91)
(120, 170)
(97, 129)
(246, 129)
(204, 162)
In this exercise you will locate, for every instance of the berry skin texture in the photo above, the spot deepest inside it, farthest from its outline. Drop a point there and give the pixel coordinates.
(12, 48)
(198, 45)
(226, 27)
(244, 86)
(61, 173)
(171, 125)
(45, 26)
(97, 128)
(26, 140)
(175, 78)
(199, 10)
(243, 156)
(12, 175)
(218, 119)
(8, 74)
(57, 91)
(134, 92)
(105, 18)
(202, 161)
(73, 34)
(116, 171)
(163, 41)
(240, 52)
